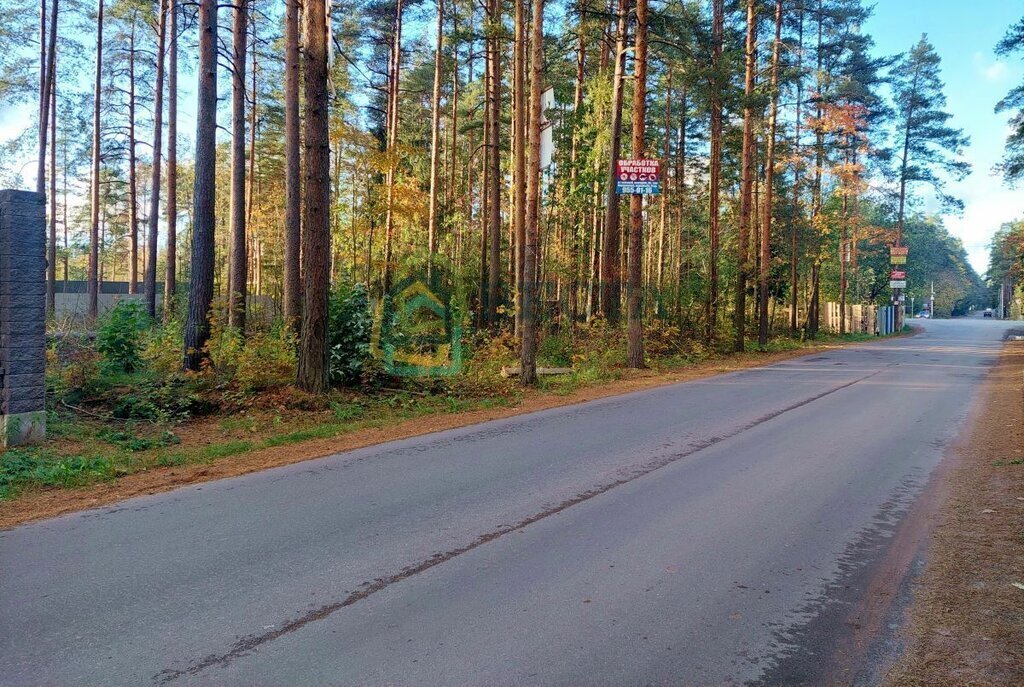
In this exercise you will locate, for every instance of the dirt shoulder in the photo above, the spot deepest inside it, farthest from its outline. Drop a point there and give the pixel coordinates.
(966, 621)
(51, 502)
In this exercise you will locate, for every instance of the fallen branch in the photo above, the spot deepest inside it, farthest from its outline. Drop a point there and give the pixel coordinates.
(515, 371)
(83, 411)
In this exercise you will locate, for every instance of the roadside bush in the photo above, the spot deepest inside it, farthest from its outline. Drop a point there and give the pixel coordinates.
(73, 369)
(223, 349)
(662, 339)
(162, 352)
(556, 350)
(266, 360)
(120, 336)
(349, 327)
(157, 401)
(244, 365)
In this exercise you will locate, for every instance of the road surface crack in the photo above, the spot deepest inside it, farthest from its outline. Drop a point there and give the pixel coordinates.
(249, 643)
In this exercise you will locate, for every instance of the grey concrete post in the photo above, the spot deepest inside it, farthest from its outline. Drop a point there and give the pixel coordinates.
(22, 317)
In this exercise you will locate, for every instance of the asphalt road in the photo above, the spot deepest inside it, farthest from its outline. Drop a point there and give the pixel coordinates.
(718, 531)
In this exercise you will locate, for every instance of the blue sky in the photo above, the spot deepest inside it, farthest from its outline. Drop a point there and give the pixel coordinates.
(964, 34)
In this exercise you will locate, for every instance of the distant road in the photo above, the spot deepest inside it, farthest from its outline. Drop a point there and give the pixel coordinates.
(721, 531)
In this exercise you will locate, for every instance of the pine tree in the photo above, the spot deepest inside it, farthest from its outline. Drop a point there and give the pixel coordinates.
(528, 345)
(1012, 164)
(316, 225)
(200, 293)
(94, 235)
(292, 181)
(927, 144)
(634, 288)
(149, 275)
(239, 260)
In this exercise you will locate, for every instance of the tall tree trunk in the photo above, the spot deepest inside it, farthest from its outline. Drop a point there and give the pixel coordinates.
(250, 191)
(747, 173)
(154, 196)
(660, 272)
(576, 235)
(634, 288)
(494, 161)
(200, 293)
(528, 349)
(64, 209)
(51, 248)
(435, 136)
(519, 154)
(816, 190)
(133, 181)
(683, 239)
(844, 233)
(715, 171)
(47, 76)
(483, 291)
(238, 279)
(610, 248)
(769, 184)
(316, 236)
(813, 309)
(170, 276)
(392, 140)
(94, 230)
(43, 109)
(795, 223)
(292, 184)
(454, 147)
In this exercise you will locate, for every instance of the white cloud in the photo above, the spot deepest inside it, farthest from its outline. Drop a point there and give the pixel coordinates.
(989, 205)
(994, 71)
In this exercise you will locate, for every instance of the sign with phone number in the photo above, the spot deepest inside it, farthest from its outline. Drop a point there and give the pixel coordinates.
(638, 177)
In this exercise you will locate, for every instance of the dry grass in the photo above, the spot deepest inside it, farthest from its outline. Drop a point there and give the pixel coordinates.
(967, 619)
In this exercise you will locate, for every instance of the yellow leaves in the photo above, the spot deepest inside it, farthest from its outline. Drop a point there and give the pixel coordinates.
(877, 235)
(844, 119)
(410, 202)
(822, 223)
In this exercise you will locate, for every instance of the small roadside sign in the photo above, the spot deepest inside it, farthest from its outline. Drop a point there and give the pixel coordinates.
(898, 255)
(897, 284)
(547, 127)
(898, 275)
(638, 177)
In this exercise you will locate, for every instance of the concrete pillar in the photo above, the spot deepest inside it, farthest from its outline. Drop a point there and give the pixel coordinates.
(22, 317)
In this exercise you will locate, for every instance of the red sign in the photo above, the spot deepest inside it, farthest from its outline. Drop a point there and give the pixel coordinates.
(638, 176)
(899, 250)
(638, 170)
(897, 275)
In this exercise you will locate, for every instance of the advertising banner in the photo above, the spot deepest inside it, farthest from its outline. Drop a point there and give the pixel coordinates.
(638, 177)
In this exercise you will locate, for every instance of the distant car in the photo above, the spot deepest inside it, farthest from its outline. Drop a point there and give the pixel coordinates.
(987, 313)
(924, 314)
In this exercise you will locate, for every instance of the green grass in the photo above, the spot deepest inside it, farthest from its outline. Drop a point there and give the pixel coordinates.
(39, 467)
(228, 448)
